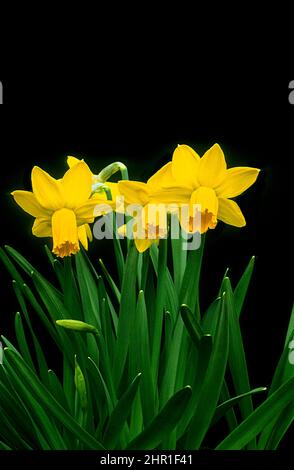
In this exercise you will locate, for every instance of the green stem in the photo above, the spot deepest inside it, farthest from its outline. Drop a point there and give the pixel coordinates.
(179, 257)
(110, 170)
(159, 307)
(190, 286)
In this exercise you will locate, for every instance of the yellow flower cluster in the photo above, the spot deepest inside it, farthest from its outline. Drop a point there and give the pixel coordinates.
(202, 186)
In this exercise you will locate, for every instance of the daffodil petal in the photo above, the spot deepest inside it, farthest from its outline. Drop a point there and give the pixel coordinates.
(212, 167)
(162, 177)
(28, 202)
(237, 180)
(92, 208)
(82, 236)
(230, 213)
(47, 190)
(185, 166)
(172, 195)
(72, 161)
(134, 192)
(42, 227)
(143, 244)
(77, 185)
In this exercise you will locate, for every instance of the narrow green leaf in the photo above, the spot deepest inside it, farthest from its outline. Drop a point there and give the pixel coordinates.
(221, 289)
(10, 267)
(56, 390)
(284, 371)
(224, 407)
(37, 412)
(280, 427)
(11, 434)
(189, 294)
(120, 261)
(237, 358)
(21, 261)
(120, 414)
(168, 383)
(18, 414)
(163, 423)
(30, 381)
(54, 303)
(3, 446)
(112, 321)
(212, 384)
(200, 364)
(41, 283)
(242, 286)
(262, 416)
(71, 295)
(40, 312)
(159, 308)
(22, 341)
(172, 301)
(96, 374)
(39, 352)
(88, 291)
(193, 327)
(230, 414)
(127, 312)
(110, 281)
(210, 318)
(290, 331)
(179, 256)
(147, 387)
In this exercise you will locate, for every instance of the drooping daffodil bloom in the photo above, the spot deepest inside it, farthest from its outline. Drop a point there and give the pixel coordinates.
(207, 185)
(61, 206)
(147, 201)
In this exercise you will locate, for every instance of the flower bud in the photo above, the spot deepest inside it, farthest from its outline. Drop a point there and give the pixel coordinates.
(77, 325)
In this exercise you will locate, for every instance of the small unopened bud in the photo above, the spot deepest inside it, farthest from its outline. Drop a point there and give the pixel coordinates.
(77, 325)
(80, 384)
(110, 170)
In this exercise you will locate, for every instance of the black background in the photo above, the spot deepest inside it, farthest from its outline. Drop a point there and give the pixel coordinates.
(137, 110)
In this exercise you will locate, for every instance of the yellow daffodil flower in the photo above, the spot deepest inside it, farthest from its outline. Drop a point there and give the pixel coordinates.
(151, 219)
(206, 183)
(147, 227)
(61, 207)
(84, 231)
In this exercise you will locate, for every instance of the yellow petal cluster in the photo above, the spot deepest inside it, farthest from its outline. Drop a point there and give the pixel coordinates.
(202, 187)
(62, 208)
